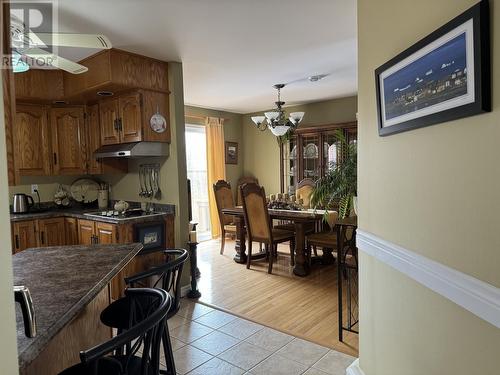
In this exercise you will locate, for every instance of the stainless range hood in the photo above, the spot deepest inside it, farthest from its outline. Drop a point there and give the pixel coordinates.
(132, 150)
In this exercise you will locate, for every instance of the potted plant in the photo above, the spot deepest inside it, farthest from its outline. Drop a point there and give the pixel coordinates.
(338, 188)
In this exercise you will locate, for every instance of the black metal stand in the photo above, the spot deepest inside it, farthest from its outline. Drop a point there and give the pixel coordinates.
(193, 259)
(347, 244)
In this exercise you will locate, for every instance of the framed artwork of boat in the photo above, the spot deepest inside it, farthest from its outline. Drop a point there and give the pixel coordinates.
(443, 77)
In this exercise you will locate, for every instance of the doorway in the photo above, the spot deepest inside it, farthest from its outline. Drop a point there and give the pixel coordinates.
(196, 157)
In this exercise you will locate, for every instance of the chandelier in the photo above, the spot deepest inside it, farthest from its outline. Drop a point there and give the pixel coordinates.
(278, 123)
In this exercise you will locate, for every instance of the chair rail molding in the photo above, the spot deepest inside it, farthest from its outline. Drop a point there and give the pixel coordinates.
(474, 295)
(354, 369)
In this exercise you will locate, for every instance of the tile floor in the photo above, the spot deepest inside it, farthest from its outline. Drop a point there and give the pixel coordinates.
(207, 341)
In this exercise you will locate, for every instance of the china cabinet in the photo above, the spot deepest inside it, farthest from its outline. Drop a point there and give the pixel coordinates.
(311, 151)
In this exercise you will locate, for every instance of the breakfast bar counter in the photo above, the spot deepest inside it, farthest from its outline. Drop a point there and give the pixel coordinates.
(69, 287)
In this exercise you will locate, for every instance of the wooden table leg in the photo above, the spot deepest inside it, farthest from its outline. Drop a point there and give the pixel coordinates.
(301, 266)
(240, 247)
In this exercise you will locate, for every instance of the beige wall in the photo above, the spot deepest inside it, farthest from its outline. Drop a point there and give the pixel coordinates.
(232, 133)
(8, 347)
(433, 191)
(261, 154)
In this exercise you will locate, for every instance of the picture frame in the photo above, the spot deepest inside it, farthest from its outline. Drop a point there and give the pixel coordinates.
(444, 76)
(231, 152)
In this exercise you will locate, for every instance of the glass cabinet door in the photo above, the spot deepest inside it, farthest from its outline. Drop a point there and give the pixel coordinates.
(310, 156)
(331, 151)
(290, 166)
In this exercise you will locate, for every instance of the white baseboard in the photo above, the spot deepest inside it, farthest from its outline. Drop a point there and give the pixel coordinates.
(354, 369)
(478, 297)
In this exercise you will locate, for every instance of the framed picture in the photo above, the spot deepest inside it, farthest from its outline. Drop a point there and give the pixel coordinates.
(231, 153)
(443, 77)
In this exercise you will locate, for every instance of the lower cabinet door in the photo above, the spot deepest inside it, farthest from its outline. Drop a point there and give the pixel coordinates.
(86, 232)
(24, 235)
(106, 233)
(71, 230)
(51, 232)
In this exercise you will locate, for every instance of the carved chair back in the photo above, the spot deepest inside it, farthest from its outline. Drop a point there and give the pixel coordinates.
(257, 218)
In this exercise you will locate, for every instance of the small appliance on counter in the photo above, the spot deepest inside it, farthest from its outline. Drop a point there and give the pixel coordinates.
(22, 203)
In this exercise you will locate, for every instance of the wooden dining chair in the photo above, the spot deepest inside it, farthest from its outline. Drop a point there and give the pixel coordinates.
(326, 239)
(224, 199)
(259, 224)
(242, 181)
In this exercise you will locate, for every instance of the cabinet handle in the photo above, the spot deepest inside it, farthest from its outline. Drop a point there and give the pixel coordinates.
(115, 124)
(55, 158)
(42, 237)
(17, 241)
(120, 127)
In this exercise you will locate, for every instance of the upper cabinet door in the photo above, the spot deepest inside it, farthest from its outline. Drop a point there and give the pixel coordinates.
(130, 118)
(31, 141)
(109, 114)
(68, 140)
(94, 138)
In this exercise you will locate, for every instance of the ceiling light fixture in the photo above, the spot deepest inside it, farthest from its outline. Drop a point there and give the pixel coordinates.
(278, 123)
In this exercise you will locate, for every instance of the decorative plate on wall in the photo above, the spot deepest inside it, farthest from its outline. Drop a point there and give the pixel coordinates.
(84, 190)
(157, 122)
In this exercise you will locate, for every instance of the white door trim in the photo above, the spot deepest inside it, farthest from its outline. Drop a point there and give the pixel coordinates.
(354, 369)
(478, 297)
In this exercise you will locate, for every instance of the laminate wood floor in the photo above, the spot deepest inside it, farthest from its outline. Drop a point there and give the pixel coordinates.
(304, 307)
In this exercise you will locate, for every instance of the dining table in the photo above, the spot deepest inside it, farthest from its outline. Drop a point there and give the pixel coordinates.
(300, 219)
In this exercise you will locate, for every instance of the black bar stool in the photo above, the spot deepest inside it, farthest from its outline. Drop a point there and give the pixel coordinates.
(148, 314)
(168, 278)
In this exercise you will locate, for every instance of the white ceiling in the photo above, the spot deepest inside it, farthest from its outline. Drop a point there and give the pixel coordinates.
(232, 51)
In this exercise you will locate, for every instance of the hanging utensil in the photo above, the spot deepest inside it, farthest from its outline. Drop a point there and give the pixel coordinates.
(153, 179)
(158, 190)
(142, 189)
(150, 176)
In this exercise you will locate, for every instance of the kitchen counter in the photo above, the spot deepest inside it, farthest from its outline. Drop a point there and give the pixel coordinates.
(79, 213)
(63, 281)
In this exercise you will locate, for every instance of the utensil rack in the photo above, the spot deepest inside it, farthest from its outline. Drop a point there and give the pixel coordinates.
(149, 181)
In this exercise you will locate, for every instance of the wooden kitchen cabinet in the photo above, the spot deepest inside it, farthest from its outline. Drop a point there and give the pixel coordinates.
(31, 139)
(94, 138)
(109, 114)
(108, 166)
(68, 140)
(24, 235)
(106, 233)
(121, 119)
(51, 232)
(130, 121)
(86, 232)
(96, 232)
(71, 230)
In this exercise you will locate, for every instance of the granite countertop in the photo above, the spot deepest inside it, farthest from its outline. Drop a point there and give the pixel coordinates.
(62, 281)
(79, 213)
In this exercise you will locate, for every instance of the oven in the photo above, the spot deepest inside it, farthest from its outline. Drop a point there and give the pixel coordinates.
(152, 236)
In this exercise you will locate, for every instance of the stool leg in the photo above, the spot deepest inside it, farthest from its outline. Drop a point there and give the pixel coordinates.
(167, 350)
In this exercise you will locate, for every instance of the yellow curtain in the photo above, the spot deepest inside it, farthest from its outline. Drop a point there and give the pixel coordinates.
(215, 166)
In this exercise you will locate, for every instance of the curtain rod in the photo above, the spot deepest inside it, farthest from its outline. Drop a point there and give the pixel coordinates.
(203, 118)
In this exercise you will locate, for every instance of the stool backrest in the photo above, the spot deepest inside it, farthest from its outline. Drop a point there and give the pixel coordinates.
(149, 310)
(167, 276)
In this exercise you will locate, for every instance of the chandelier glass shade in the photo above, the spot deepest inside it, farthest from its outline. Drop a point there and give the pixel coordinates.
(277, 121)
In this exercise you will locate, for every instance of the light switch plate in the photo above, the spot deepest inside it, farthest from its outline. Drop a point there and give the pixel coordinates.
(34, 188)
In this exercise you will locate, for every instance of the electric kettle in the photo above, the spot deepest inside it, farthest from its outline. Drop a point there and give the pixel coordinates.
(22, 203)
